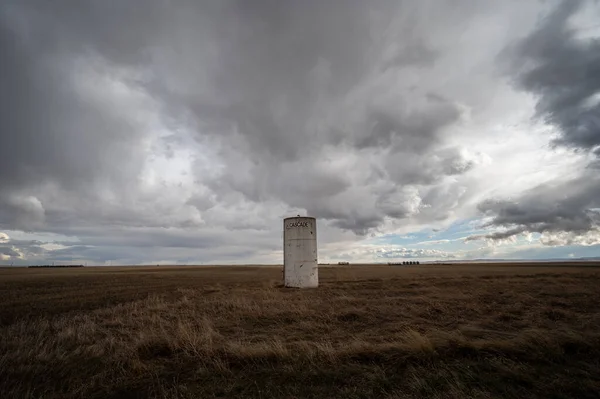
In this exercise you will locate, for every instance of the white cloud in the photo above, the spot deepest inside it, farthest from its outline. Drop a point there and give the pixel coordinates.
(562, 238)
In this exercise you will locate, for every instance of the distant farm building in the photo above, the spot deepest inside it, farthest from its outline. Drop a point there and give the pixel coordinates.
(405, 263)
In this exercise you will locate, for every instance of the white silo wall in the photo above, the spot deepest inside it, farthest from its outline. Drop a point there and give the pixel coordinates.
(300, 265)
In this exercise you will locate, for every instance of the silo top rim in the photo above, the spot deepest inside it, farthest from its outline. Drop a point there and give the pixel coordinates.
(299, 217)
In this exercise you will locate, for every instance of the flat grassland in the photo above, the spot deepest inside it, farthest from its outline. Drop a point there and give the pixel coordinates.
(428, 331)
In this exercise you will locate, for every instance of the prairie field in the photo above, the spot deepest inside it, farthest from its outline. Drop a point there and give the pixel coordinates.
(427, 331)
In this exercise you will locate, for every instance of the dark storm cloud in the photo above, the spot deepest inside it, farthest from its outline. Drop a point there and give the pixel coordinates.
(564, 74)
(571, 207)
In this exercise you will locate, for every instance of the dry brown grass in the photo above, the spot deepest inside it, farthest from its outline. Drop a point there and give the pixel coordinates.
(481, 331)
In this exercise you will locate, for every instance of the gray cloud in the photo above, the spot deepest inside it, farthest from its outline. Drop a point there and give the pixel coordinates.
(198, 124)
(24, 212)
(10, 252)
(571, 207)
(288, 98)
(564, 74)
(53, 129)
(273, 98)
(70, 125)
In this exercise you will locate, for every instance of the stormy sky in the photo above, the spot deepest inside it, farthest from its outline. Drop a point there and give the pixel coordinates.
(180, 131)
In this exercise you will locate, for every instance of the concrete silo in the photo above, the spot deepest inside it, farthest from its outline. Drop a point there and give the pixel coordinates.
(300, 264)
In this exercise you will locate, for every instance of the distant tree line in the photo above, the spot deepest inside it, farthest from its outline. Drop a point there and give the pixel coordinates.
(56, 266)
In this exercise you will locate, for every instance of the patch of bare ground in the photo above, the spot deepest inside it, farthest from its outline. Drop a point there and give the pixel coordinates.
(386, 332)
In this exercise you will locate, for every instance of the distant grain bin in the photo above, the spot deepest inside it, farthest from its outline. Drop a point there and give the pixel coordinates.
(300, 265)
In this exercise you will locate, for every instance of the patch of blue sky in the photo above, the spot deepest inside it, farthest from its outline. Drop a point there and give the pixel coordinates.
(452, 240)
(397, 239)
(462, 228)
(454, 232)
